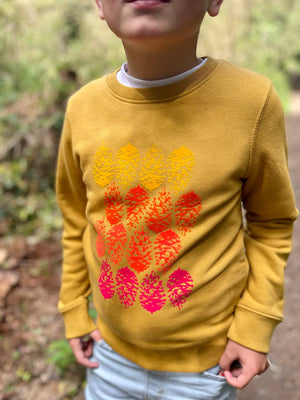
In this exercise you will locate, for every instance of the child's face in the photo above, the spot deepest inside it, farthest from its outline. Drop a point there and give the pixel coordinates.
(156, 20)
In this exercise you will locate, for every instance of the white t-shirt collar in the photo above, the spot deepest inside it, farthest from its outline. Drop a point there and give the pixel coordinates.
(125, 79)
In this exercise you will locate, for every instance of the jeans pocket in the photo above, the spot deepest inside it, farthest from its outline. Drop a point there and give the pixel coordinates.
(103, 345)
(213, 373)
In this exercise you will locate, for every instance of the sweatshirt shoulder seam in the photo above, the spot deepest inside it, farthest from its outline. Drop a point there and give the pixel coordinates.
(253, 139)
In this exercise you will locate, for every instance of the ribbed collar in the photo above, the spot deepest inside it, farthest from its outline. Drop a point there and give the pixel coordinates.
(165, 93)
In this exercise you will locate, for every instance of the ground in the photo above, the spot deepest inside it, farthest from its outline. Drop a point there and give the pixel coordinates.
(29, 284)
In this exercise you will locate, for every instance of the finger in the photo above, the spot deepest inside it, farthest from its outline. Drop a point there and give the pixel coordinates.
(96, 335)
(267, 365)
(236, 372)
(88, 351)
(226, 360)
(81, 359)
(240, 381)
(79, 354)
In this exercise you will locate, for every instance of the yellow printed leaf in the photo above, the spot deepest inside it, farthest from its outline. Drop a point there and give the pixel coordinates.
(180, 165)
(103, 170)
(128, 160)
(153, 169)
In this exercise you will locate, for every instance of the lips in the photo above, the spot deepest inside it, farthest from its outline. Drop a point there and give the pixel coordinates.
(145, 1)
(147, 5)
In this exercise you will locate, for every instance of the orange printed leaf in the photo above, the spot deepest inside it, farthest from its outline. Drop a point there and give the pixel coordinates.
(136, 201)
(187, 210)
(153, 169)
(159, 212)
(100, 242)
(167, 246)
(103, 169)
(139, 254)
(116, 243)
(114, 208)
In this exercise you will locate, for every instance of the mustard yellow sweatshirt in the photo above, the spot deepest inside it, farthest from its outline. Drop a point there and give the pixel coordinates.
(150, 183)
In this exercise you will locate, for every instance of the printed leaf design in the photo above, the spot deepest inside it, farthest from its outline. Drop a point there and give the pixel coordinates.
(180, 165)
(127, 286)
(152, 296)
(106, 280)
(100, 242)
(140, 251)
(116, 243)
(167, 246)
(136, 201)
(187, 210)
(180, 285)
(153, 169)
(103, 169)
(159, 212)
(128, 160)
(114, 208)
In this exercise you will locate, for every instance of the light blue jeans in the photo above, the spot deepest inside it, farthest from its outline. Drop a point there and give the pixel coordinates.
(117, 378)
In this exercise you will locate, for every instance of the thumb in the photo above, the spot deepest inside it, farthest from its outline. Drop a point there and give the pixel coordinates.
(239, 381)
(96, 335)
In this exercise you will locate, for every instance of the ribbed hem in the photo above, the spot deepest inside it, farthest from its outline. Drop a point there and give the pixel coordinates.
(192, 358)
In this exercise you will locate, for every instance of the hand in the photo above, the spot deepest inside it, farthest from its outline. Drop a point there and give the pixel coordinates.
(83, 350)
(240, 364)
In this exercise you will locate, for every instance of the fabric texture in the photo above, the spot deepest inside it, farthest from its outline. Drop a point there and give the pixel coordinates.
(118, 378)
(150, 183)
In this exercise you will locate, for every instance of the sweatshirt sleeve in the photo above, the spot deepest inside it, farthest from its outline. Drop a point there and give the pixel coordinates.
(71, 194)
(270, 211)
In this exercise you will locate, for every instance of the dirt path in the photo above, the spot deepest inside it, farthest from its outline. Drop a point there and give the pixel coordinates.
(29, 285)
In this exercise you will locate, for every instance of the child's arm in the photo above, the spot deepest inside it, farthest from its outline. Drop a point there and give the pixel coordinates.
(71, 194)
(269, 202)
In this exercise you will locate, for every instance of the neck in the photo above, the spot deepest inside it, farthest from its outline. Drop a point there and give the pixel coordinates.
(152, 63)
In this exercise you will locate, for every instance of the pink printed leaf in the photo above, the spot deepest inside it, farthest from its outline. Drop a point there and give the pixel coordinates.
(152, 296)
(159, 212)
(167, 246)
(180, 285)
(139, 254)
(116, 243)
(114, 208)
(127, 286)
(106, 280)
(187, 210)
(136, 201)
(100, 242)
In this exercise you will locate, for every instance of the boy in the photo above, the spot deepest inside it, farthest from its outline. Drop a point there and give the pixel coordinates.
(154, 163)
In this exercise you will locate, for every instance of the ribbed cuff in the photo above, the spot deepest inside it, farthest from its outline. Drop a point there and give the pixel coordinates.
(78, 322)
(252, 330)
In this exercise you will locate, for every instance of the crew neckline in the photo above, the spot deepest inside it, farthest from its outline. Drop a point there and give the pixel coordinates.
(162, 93)
(130, 81)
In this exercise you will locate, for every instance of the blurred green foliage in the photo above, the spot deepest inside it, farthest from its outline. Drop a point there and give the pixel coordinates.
(60, 355)
(48, 49)
(271, 46)
(259, 35)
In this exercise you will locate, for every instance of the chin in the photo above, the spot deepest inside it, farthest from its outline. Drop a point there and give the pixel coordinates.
(138, 32)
